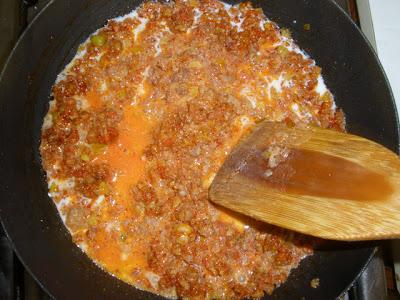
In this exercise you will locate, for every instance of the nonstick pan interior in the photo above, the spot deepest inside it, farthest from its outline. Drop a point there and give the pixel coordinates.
(351, 71)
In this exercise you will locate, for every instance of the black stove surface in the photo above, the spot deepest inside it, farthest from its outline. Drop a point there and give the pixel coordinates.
(376, 282)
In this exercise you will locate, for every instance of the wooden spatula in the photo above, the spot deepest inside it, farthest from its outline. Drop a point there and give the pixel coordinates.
(315, 181)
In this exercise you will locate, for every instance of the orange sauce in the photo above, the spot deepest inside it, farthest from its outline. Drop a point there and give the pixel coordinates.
(94, 99)
(124, 156)
(105, 249)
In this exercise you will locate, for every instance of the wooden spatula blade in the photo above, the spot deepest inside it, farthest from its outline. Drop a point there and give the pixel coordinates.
(315, 181)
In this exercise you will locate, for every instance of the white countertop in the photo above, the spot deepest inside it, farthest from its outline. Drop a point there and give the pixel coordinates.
(385, 24)
(386, 30)
(380, 21)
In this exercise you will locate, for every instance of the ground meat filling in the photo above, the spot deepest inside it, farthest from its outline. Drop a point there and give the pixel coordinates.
(140, 122)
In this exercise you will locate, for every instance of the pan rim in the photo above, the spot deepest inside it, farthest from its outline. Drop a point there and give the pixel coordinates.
(51, 2)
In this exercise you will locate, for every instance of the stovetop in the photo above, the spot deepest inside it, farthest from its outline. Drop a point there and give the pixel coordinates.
(376, 282)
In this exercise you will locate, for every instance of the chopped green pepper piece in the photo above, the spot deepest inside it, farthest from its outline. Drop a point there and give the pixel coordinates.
(98, 148)
(282, 50)
(286, 33)
(103, 188)
(98, 40)
(85, 157)
(92, 220)
(53, 188)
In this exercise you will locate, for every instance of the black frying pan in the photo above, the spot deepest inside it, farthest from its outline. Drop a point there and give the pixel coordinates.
(350, 68)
